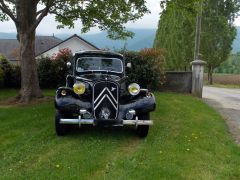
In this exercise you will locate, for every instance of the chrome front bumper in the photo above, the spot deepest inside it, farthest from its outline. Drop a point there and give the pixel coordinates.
(81, 121)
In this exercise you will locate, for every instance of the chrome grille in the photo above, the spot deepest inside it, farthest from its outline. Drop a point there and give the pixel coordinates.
(105, 100)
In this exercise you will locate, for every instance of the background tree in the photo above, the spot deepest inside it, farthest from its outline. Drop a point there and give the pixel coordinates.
(231, 66)
(176, 32)
(27, 15)
(218, 32)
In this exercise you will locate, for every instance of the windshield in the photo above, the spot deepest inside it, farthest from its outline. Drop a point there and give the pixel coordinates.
(99, 64)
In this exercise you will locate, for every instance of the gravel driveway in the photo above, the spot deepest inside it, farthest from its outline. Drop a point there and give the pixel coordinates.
(227, 103)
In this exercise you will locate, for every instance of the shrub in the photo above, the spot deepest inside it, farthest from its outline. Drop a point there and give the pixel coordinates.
(52, 71)
(15, 81)
(7, 69)
(147, 67)
(60, 71)
(12, 73)
(63, 55)
(46, 73)
(1, 78)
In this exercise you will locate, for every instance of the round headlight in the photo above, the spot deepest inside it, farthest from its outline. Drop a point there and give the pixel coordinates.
(134, 89)
(79, 88)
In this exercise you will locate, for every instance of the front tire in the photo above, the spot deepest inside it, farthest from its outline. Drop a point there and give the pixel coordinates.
(142, 131)
(61, 129)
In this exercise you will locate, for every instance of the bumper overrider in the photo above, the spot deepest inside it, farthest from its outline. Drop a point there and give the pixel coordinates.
(71, 105)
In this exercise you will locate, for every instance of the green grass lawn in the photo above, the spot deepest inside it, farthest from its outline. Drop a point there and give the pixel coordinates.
(7, 93)
(189, 140)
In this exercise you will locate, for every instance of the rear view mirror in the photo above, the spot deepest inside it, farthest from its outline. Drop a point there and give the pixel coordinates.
(129, 65)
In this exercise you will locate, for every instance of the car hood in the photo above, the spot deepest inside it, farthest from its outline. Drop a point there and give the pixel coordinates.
(99, 77)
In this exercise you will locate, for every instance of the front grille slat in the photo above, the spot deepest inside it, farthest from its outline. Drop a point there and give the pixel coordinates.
(105, 100)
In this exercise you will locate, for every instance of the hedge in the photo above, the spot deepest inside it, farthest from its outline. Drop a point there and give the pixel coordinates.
(52, 74)
(147, 69)
(12, 74)
(1, 78)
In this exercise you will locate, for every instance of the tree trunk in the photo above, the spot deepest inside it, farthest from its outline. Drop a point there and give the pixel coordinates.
(26, 13)
(210, 75)
(29, 76)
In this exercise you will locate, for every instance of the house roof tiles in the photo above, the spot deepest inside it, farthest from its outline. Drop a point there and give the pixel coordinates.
(9, 47)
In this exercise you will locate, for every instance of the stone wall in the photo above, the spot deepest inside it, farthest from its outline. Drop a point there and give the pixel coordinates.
(178, 82)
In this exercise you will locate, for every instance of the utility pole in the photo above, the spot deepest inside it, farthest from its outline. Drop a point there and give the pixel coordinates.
(198, 32)
(197, 64)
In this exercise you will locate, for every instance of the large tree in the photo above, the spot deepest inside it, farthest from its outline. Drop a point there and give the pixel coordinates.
(176, 32)
(109, 16)
(218, 32)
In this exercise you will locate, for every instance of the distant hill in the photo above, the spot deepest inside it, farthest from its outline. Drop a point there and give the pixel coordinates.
(236, 43)
(143, 39)
(8, 35)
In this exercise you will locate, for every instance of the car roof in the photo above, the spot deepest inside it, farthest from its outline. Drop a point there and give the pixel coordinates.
(98, 52)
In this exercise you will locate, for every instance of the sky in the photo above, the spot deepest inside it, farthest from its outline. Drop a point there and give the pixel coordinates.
(48, 25)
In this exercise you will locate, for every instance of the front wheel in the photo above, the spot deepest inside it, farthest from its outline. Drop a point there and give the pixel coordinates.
(61, 129)
(142, 131)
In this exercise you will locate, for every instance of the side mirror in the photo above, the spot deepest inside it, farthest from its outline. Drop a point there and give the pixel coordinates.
(69, 65)
(129, 65)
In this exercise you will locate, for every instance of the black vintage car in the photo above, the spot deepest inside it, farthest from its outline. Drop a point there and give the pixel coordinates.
(99, 93)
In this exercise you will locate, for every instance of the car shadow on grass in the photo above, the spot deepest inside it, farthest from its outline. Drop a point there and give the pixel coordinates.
(114, 132)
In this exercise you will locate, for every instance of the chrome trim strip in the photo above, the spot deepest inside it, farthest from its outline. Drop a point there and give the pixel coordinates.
(95, 107)
(103, 99)
(100, 94)
(103, 92)
(111, 101)
(138, 122)
(112, 96)
(84, 79)
(76, 121)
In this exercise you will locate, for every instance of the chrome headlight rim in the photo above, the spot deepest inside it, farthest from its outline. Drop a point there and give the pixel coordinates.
(137, 88)
(78, 85)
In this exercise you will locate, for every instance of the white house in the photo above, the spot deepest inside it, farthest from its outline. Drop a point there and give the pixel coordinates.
(75, 43)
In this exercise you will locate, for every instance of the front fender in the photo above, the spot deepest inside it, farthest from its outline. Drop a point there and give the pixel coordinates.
(142, 104)
(71, 103)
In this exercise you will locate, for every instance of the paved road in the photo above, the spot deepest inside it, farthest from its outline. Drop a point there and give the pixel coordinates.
(227, 103)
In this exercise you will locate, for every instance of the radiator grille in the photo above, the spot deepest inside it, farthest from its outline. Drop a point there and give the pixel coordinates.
(105, 100)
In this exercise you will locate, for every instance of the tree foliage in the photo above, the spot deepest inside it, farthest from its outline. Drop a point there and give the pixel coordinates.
(109, 16)
(218, 32)
(176, 31)
(231, 66)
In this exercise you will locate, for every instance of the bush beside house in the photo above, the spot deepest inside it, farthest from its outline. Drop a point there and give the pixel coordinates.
(12, 74)
(147, 68)
(53, 71)
(1, 78)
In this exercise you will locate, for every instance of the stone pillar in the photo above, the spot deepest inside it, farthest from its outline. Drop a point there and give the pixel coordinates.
(197, 77)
